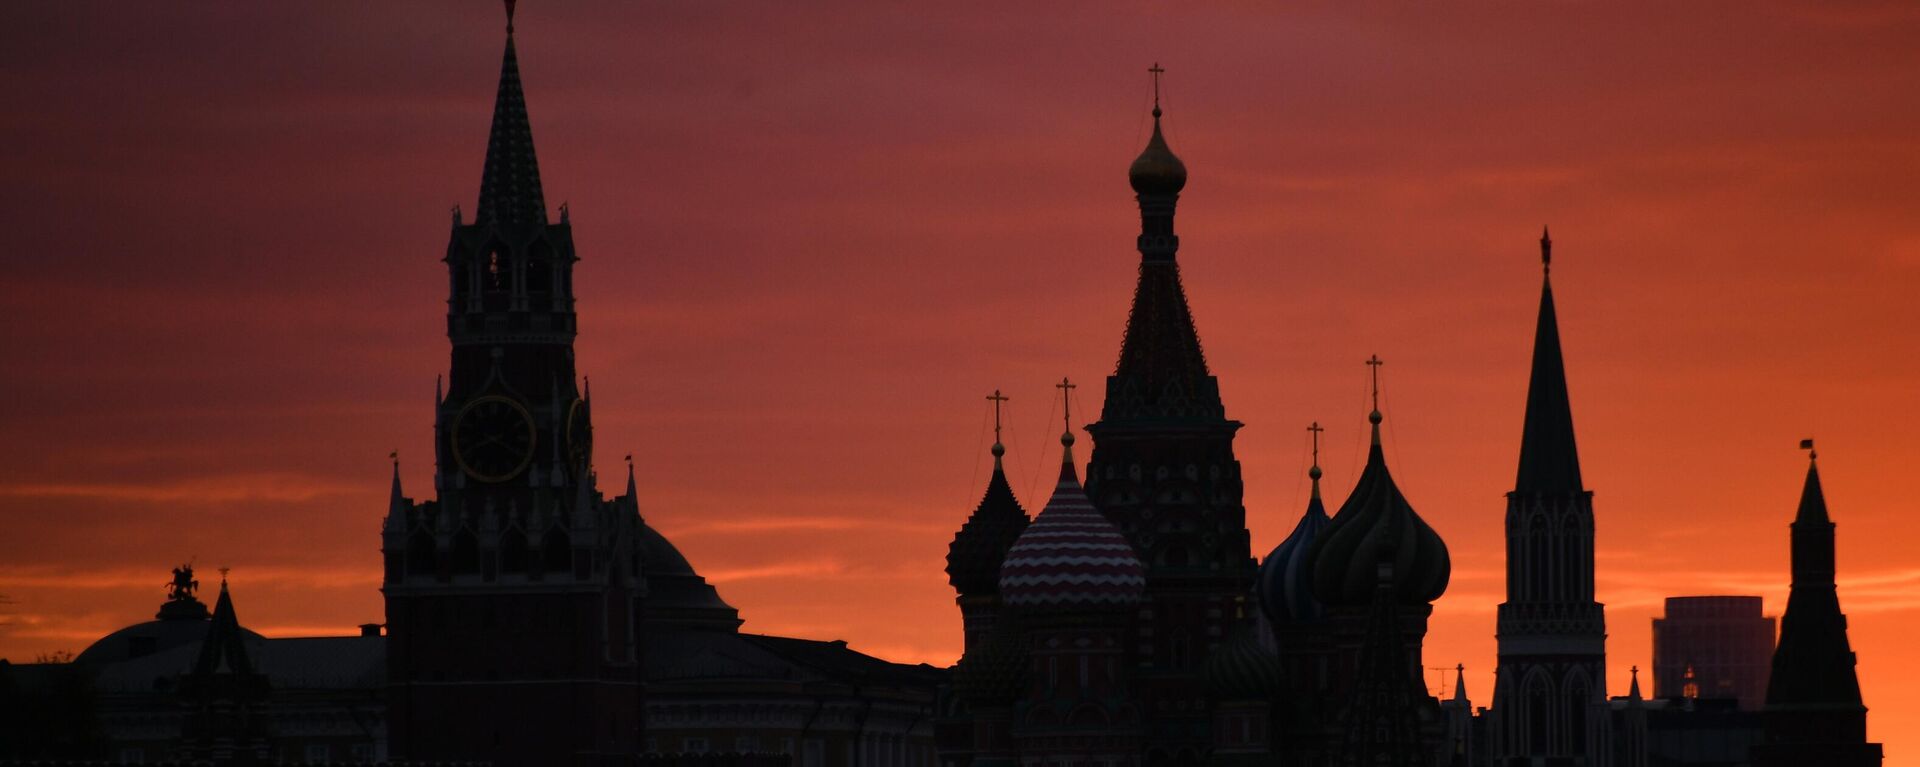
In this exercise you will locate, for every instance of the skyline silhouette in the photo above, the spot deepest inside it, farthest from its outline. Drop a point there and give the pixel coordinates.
(789, 465)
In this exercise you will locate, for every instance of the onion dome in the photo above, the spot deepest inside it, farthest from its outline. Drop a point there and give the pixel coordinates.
(994, 673)
(974, 557)
(1157, 171)
(1243, 669)
(1282, 588)
(1071, 556)
(1377, 523)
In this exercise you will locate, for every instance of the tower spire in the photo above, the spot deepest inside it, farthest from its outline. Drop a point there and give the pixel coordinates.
(510, 181)
(1546, 251)
(1549, 459)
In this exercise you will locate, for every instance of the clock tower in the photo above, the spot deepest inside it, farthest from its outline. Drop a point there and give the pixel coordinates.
(512, 595)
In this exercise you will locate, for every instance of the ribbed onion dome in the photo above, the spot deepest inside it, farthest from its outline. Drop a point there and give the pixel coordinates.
(1375, 520)
(1157, 171)
(1071, 556)
(1243, 669)
(974, 557)
(1283, 588)
(994, 673)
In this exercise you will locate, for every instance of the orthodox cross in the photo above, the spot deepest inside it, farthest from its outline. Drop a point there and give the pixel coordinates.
(996, 397)
(1315, 428)
(1156, 71)
(1066, 388)
(1375, 363)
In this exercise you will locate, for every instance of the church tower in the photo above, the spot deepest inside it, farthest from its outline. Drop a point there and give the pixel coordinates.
(1549, 698)
(1814, 713)
(512, 595)
(1163, 470)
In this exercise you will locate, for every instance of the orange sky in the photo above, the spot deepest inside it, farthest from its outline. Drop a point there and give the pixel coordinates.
(813, 238)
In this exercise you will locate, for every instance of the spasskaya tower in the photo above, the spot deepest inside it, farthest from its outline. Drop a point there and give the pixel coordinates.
(513, 595)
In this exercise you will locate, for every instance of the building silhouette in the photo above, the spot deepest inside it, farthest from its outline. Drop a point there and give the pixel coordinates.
(1814, 713)
(1549, 696)
(1723, 646)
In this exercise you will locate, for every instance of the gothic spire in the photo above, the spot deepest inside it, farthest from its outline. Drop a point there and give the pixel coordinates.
(510, 182)
(224, 651)
(1549, 460)
(396, 502)
(1162, 370)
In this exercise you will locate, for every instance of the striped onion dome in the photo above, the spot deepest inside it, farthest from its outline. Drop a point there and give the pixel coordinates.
(1071, 556)
(1284, 593)
(1376, 522)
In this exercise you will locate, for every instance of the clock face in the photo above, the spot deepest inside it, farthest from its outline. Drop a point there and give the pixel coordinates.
(493, 438)
(579, 433)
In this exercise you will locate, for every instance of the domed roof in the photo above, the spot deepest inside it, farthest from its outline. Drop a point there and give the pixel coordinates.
(183, 620)
(1157, 171)
(676, 595)
(1243, 669)
(1283, 587)
(995, 672)
(1377, 521)
(1071, 556)
(974, 557)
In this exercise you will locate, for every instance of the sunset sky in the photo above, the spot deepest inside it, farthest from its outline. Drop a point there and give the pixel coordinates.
(814, 237)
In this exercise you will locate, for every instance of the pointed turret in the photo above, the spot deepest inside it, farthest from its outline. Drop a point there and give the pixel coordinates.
(1460, 683)
(1162, 372)
(396, 501)
(510, 183)
(1814, 707)
(224, 692)
(1549, 461)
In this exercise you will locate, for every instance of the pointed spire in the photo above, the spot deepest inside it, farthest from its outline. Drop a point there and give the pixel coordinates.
(1549, 458)
(1162, 372)
(1633, 691)
(224, 651)
(396, 501)
(631, 492)
(1546, 251)
(1813, 501)
(510, 182)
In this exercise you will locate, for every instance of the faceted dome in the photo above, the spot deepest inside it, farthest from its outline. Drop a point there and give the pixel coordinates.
(1283, 587)
(1243, 669)
(1374, 522)
(974, 557)
(1071, 556)
(1157, 171)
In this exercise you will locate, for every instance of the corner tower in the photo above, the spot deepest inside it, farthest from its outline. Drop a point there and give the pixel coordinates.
(1164, 472)
(512, 596)
(1549, 697)
(1814, 712)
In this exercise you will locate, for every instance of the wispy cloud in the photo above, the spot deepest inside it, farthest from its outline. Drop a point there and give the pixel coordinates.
(235, 488)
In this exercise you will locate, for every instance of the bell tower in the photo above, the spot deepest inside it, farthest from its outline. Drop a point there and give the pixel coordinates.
(512, 595)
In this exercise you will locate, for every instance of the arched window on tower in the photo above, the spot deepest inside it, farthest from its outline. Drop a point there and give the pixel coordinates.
(1539, 714)
(421, 554)
(496, 280)
(1577, 706)
(556, 553)
(513, 552)
(465, 557)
